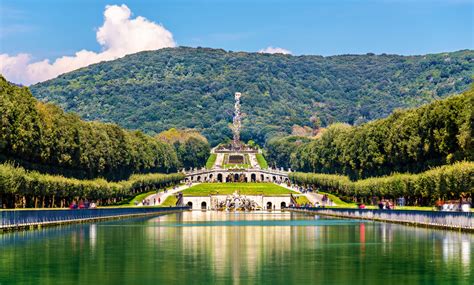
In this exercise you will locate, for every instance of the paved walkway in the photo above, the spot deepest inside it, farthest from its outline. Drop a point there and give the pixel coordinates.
(219, 160)
(254, 161)
(161, 196)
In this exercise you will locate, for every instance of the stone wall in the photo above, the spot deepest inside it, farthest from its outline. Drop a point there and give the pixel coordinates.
(265, 202)
(448, 220)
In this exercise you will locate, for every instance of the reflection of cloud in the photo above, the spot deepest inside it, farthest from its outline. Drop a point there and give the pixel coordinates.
(119, 35)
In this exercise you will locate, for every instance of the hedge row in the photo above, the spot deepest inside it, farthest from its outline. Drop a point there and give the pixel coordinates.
(445, 183)
(21, 188)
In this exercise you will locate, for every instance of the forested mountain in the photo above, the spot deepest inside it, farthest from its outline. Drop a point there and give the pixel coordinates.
(193, 88)
(415, 140)
(42, 137)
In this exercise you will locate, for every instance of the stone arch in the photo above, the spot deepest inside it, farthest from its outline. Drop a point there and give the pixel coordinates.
(262, 177)
(269, 205)
(236, 177)
(198, 178)
(219, 177)
(211, 176)
(274, 178)
(203, 205)
(253, 177)
(283, 205)
(190, 204)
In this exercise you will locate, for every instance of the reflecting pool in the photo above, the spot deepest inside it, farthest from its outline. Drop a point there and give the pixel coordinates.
(236, 248)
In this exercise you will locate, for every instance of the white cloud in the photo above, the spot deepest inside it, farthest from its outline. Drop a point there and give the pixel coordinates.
(119, 35)
(271, 49)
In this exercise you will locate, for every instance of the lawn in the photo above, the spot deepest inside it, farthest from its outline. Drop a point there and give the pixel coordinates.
(170, 201)
(261, 161)
(268, 189)
(211, 161)
(301, 200)
(338, 201)
(132, 201)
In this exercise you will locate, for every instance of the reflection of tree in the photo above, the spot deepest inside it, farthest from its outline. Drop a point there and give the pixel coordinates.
(215, 247)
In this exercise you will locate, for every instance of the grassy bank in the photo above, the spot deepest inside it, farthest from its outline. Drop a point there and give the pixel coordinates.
(262, 162)
(170, 201)
(205, 189)
(211, 161)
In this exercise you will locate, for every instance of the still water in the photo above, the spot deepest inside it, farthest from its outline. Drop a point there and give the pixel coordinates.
(236, 248)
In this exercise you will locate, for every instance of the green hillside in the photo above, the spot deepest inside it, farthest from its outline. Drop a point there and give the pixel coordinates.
(193, 88)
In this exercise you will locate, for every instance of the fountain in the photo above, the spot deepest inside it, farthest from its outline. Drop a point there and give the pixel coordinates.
(236, 123)
(235, 202)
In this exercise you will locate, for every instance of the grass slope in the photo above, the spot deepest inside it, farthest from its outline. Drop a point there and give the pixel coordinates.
(261, 161)
(268, 189)
(211, 161)
(170, 201)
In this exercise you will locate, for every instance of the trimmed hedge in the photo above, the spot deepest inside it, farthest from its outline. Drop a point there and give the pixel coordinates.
(445, 183)
(21, 188)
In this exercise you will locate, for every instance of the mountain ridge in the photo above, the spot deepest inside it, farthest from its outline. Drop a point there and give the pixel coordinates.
(193, 88)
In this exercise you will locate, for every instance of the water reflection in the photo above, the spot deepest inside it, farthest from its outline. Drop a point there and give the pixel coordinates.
(457, 249)
(236, 248)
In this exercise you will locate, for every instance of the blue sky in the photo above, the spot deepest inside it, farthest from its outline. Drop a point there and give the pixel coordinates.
(49, 29)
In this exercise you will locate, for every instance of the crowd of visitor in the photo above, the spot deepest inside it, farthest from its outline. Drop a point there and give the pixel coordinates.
(83, 204)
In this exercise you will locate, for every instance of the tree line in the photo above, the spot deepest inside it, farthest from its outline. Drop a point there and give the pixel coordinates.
(42, 137)
(191, 147)
(410, 141)
(20, 188)
(448, 182)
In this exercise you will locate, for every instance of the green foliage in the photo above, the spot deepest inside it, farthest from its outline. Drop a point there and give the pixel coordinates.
(279, 150)
(261, 161)
(211, 160)
(194, 88)
(193, 153)
(42, 137)
(18, 186)
(407, 141)
(191, 147)
(205, 189)
(445, 183)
